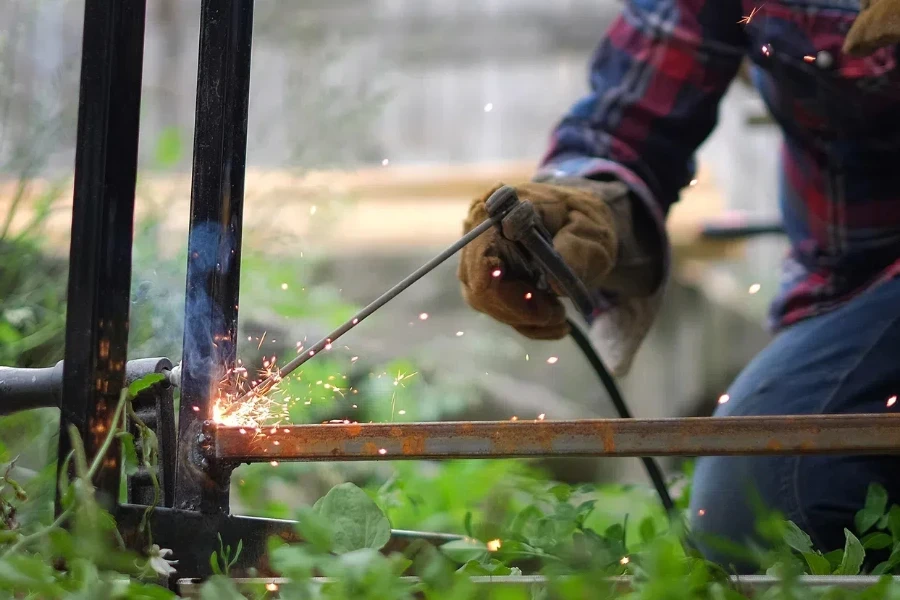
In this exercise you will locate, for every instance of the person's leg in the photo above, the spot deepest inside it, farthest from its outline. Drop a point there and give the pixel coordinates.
(847, 361)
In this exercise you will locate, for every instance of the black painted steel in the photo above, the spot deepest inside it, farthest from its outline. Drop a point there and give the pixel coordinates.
(102, 228)
(214, 244)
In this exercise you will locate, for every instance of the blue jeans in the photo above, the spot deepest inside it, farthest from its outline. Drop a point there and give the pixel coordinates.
(846, 361)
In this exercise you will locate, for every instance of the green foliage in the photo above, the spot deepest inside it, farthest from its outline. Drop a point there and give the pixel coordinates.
(222, 560)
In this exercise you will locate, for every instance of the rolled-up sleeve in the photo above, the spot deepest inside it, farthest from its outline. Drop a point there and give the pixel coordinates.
(656, 81)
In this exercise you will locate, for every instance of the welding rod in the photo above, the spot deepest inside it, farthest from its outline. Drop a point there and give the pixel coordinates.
(267, 384)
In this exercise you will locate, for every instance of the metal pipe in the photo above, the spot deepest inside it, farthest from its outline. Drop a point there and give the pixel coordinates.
(265, 385)
(99, 286)
(747, 584)
(695, 436)
(214, 242)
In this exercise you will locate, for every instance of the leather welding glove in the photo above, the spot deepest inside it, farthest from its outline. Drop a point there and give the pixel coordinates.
(592, 229)
(877, 26)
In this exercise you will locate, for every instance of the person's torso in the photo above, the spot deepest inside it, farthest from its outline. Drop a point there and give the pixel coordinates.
(840, 191)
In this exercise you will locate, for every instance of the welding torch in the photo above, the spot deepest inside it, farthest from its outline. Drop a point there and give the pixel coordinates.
(533, 257)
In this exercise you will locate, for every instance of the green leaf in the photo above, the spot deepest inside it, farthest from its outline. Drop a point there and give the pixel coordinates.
(487, 568)
(467, 524)
(796, 538)
(834, 558)
(356, 521)
(131, 457)
(877, 540)
(220, 587)
(561, 492)
(854, 554)
(169, 147)
(8, 333)
(894, 522)
(214, 563)
(865, 519)
(647, 529)
(818, 564)
(139, 385)
(314, 529)
(462, 551)
(874, 509)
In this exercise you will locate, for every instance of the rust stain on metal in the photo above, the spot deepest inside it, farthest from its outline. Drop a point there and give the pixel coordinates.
(354, 429)
(369, 449)
(413, 445)
(608, 439)
(547, 435)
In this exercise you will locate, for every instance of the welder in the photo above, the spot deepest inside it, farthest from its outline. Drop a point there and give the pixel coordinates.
(827, 70)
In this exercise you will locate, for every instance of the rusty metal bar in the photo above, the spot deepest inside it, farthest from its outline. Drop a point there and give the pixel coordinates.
(696, 436)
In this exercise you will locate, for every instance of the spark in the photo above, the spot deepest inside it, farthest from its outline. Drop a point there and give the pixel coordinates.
(527, 357)
(354, 359)
(196, 408)
(693, 182)
(460, 333)
(746, 20)
(809, 58)
(528, 296)
(272, 587)
(892, 401)
(493, 545)
(382, 451)
(624, 560)
(423, 317)
(552, 360)
(385, 162)
(284, 286)
(514, 418)
(488, 107)
(724, 398)
(401, 412)
(541, 416)
(754, 288)
(701, 512)
(261, 339)
(767, 50)
(496, 273)
(274, 463)
(312, 209)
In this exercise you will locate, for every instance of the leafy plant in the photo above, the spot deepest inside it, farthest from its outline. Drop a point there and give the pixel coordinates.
(222, 560)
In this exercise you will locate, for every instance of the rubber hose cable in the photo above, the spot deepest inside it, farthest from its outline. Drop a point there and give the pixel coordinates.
(615, 395)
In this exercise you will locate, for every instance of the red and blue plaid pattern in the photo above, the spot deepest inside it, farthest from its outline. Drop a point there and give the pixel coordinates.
(656, 82)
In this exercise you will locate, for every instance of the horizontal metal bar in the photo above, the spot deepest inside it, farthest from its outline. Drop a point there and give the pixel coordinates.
(194, 536)
(697, 436)
(190, 588)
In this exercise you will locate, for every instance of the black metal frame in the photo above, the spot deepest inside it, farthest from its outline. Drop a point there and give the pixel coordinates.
(99, 290)
(214, 243)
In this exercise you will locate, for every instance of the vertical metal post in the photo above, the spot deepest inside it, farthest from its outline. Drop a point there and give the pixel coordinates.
(214, 243)
(102, 229)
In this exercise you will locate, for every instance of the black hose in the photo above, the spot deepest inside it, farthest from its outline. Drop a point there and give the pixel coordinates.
(650, 464)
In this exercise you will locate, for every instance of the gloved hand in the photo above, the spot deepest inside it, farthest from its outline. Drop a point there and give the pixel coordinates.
(877, 25)
(585, 233)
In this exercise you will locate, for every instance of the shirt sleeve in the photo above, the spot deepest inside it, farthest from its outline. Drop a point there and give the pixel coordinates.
(656, 81)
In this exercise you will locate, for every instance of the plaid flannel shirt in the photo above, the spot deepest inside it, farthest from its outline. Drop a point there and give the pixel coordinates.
(656, 82)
